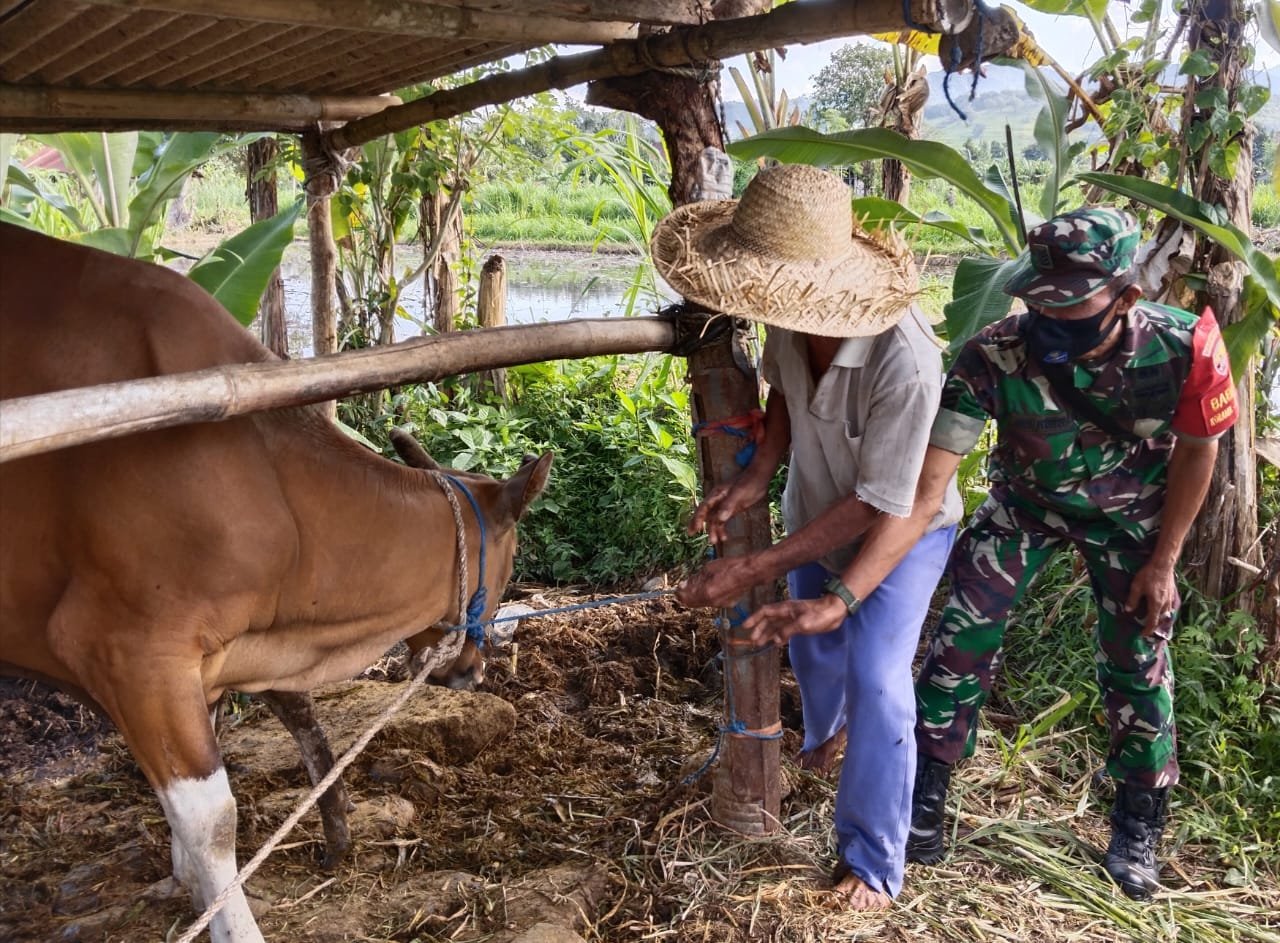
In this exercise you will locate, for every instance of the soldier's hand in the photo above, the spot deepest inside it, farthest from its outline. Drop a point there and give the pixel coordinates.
(719, 583)
(1155, 585)
(775, 623)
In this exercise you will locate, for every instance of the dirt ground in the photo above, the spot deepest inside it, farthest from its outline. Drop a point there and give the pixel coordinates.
(548, 809)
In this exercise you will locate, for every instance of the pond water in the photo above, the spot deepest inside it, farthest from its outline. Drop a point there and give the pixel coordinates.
(542, 285)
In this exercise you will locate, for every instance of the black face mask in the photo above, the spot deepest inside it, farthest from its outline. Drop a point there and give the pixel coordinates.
(1052, 340)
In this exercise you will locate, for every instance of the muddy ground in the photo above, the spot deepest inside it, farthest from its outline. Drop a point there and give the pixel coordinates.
(550, 809)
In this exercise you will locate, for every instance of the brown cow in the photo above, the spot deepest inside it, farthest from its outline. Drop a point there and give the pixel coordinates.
(150, 573)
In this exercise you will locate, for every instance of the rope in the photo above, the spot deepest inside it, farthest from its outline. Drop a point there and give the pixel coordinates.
(733, 726)
(747, 426)
(391, 710)
(304, 806)
(469, 613)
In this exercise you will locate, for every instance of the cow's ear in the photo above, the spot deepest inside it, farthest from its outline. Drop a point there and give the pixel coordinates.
(520, 489)
(408, 448)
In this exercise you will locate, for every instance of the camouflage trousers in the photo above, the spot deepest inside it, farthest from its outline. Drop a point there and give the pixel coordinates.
(993, 562)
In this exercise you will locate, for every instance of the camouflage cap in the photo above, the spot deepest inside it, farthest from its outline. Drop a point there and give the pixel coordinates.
(1074, 256)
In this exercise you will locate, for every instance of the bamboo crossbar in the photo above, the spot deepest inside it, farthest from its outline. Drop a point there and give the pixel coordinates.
(793, 23)
(32, 104)
(30, 425)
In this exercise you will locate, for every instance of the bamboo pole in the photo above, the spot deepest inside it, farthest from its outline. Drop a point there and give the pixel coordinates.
(104, 108)
(794, 23)
(398, 17)
(30, 425)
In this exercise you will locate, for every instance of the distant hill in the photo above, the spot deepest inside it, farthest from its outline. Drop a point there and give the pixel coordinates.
(1000, 97)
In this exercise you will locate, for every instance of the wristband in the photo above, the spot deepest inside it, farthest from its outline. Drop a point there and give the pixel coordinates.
(835, 587)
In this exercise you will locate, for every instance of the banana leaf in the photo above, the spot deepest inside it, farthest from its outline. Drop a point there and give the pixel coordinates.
(1209, 220)
(977, 298)
(175, 159)
(237, 271)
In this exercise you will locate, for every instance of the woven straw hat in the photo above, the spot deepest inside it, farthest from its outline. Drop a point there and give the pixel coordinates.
(788, 254)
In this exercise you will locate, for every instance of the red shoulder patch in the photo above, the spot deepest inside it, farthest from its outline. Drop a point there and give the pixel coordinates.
(1207, 406)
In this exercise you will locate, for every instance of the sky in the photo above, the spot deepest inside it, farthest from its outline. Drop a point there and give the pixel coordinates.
(1069, 39)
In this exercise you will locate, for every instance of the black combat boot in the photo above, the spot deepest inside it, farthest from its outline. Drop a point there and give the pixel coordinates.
(926, 843)
(1137, 819)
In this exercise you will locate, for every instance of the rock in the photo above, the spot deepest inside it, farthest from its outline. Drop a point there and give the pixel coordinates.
(384, 817)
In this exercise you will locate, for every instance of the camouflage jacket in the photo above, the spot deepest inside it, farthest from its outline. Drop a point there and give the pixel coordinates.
(1167, 376)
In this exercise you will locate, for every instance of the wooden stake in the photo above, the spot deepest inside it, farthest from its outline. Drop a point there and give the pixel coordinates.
(491, 310)
(794, 23)
(30, 425)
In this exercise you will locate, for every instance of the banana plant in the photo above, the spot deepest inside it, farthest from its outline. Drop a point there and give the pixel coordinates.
(1261, 296)
(119, 189)
(123, 183)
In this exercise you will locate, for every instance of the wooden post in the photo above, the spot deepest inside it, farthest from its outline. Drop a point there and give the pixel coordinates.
(263, 204)
(322, 179)
(491, 310)
(746, 792)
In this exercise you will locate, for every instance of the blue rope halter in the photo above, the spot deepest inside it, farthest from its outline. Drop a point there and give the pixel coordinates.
(472, 619)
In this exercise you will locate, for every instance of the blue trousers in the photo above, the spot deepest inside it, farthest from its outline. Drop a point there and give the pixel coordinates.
(858, 676)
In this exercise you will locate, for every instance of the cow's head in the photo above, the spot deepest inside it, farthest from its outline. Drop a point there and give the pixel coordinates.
(502, 504)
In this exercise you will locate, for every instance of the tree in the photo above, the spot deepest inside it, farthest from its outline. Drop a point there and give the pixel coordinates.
(852, 83)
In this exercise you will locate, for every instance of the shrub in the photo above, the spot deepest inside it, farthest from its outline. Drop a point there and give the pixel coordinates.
(624, 479)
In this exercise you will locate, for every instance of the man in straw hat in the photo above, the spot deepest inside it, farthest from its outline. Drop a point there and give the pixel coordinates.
(855, 377)
(1108, 410)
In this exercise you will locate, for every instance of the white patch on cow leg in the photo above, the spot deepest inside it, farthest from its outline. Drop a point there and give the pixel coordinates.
(202, 815)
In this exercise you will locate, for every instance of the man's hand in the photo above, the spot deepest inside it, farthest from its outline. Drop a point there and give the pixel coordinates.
(720, 582)
(1155, 584)
(775, 623)
(724, 502)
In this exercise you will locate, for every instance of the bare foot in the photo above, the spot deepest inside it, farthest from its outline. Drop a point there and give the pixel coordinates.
(859, 895)
(821, 758)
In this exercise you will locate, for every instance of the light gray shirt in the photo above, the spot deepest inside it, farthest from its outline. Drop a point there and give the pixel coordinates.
(863, 427)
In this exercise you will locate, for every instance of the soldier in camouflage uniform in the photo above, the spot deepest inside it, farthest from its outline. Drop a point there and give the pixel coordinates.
(1108, 410)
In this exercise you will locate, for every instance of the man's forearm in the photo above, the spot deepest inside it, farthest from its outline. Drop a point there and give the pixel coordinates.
(1190, 469)
(891, 538)
(841, 523)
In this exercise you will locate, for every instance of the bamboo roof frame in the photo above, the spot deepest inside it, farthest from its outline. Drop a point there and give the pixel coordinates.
(54, 78)
(285, 65)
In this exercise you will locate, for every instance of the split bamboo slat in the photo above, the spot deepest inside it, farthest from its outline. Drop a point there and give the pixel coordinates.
(285, 42)
(239, 39)
(136, 34)
(54, 52)
(325, 74)
(165, 48)
(24, 33)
